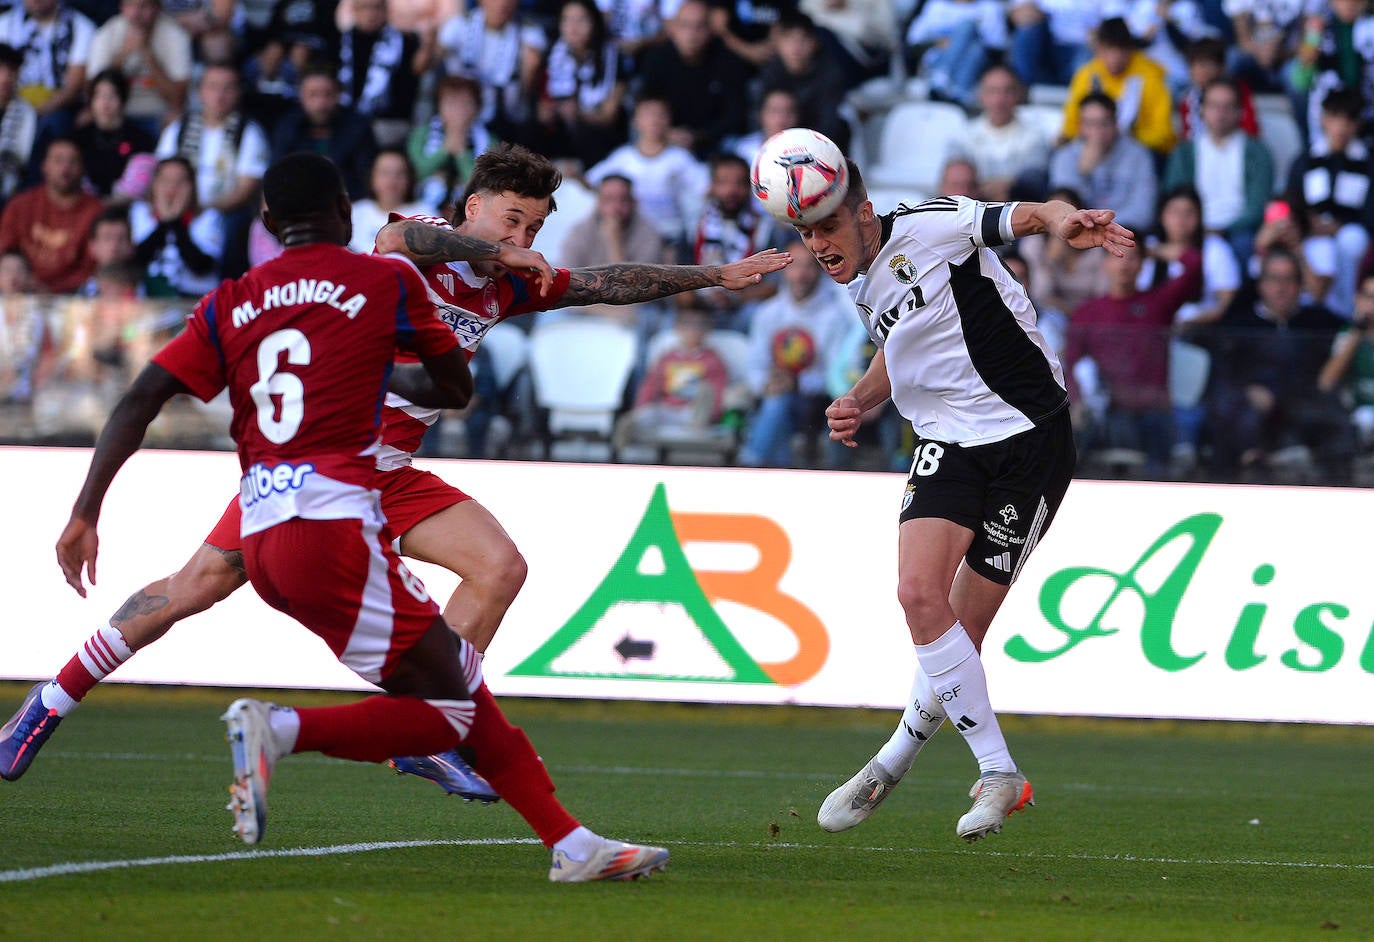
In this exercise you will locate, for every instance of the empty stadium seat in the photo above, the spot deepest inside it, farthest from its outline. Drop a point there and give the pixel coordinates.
(915, 144)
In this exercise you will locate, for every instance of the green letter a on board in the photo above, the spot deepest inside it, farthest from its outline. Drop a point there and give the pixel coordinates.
(634, 580)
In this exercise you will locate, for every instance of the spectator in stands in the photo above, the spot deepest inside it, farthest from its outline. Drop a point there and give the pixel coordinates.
(110, 138)
(959, 177)
(1267, 356)
(731, 226)
(805, 67)
(51, 223)
(1122, 399)
(380, 68)
(1052, 323)
(1233, 171)
(683, 387)
(18, 126)
(1349, 372)
(1050, 38)
(1331, 186)
(444, 150)
(1144, 108)
(1284, 229)
(778, 111)
(1105, 166)
(950, 42)
(208, 23)
(301, 32)
(635, 25)
(581, 108)
(1206, 62)
(153, 52)
(323, 124)
(1267, 35)
(392, 191)
(701, 80)
(1332, 55)
(746, 26)
(1060, 277)
(489, 44)
(176, 242)
(1166, 30)
(229, 152)
(791, 337)
(614, 232)
(1009, 154)
(112, 243)
(54, 41)
(1179, 230)
(669, 182)
(24, 330)
(863, 32)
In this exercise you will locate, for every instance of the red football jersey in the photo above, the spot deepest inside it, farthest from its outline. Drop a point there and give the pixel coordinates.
(470, 305)
(304, 344)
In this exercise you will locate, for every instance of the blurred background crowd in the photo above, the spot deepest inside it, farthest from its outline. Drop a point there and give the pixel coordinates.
(1235, 344)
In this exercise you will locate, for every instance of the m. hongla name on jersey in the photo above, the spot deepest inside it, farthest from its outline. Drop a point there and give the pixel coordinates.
(301, 291)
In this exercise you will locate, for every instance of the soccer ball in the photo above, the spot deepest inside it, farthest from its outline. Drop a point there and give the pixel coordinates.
(799, 176)
(793, 350)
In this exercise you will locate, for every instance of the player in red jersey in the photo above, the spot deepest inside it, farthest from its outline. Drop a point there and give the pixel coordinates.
(508, 198)
(306, 360)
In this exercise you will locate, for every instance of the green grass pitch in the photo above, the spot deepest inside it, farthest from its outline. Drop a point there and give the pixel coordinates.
(1142, 830)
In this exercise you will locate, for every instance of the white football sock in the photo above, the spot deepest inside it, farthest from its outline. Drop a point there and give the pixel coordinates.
(57, 699)
(961, 688)
(286, 726)
(920, 720)
(580, 843)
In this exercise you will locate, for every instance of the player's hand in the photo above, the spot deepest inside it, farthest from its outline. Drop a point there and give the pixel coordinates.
(1089, 228)
(750, 271)
(844, 418)
(77, 549)
(527, 261)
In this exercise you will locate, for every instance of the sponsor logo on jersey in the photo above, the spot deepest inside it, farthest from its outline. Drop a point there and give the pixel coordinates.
(1009, 514)
(260, 481)
(466, 326)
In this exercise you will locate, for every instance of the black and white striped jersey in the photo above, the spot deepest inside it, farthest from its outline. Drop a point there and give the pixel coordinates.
(966, 361)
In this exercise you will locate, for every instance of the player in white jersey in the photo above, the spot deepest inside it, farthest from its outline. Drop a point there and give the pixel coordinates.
(960, 355)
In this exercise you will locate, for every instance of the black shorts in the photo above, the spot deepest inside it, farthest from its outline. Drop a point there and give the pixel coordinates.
(1007, 493)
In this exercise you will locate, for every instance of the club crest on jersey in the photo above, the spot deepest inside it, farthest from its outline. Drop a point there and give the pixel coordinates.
(902, 269)
(907, 497)
(491, 300)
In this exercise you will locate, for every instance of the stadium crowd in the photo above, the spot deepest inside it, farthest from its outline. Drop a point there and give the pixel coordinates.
(1236, 343)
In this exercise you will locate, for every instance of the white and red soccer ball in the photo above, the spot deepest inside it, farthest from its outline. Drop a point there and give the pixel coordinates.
(799, 176)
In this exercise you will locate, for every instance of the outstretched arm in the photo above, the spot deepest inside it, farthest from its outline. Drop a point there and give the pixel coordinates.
(632, 283)
(1080, 228)
(121, 437)
(424, 244)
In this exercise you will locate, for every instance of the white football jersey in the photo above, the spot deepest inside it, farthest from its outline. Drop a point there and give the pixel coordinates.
(966, 361)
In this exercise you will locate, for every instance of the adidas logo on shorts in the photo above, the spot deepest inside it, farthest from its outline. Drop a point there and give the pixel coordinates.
(1001, 562)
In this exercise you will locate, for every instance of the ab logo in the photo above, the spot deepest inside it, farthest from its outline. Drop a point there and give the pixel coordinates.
(654, 617)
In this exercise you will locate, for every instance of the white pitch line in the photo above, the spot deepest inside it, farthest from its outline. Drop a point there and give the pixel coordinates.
(94, 866)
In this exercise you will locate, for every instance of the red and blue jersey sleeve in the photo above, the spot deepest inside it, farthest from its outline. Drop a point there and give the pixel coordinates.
(520, 294)
(195, 356)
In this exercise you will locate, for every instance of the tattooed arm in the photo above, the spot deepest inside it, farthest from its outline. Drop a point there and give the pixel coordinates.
(631, 283)
(425, 244)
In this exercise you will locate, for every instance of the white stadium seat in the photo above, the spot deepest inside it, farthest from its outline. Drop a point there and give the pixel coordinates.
(915, 144)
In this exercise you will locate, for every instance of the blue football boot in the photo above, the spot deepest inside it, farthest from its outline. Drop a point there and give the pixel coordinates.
(450, 772)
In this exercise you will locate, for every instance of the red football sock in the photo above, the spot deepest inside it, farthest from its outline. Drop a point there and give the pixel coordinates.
(102, 653)
(375, 729)
(503, 755)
